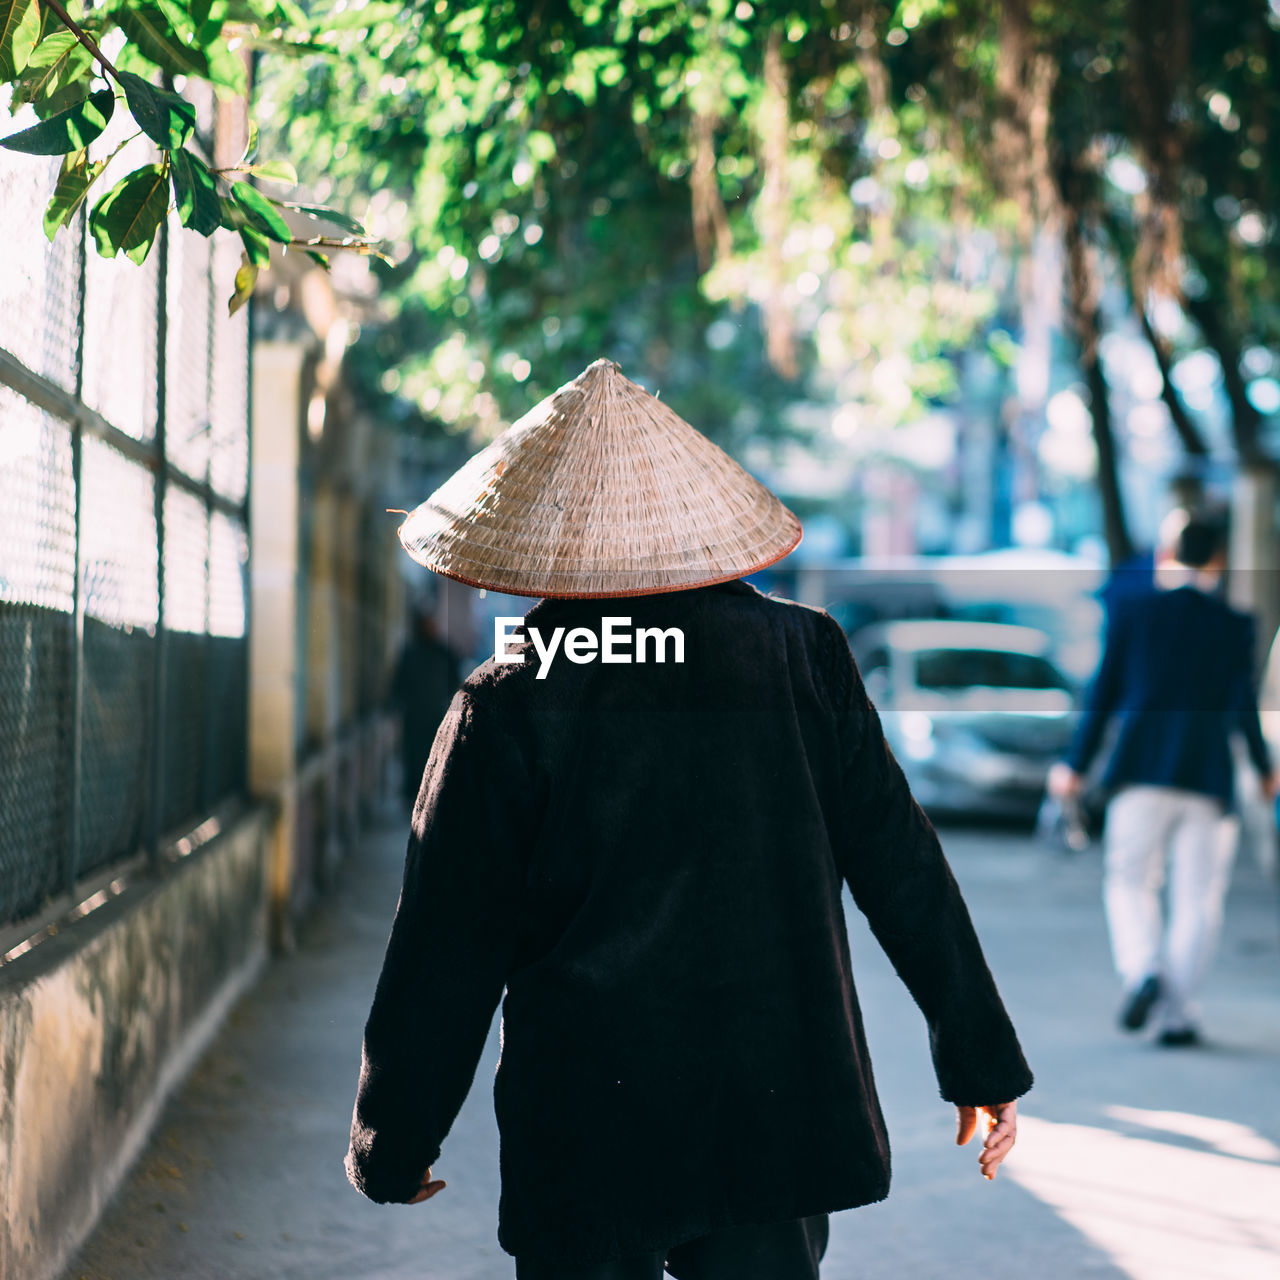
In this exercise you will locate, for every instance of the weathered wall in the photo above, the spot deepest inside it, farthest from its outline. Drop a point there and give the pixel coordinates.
(100, 1022)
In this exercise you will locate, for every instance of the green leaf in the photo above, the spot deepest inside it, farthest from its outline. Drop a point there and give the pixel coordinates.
(129, 215)
(542, 146)
(177, 15)
(226, 69)
(290, 14)
(244, 13)
(209, 32)
(52, 46)
(290, 48)
(256, 245)
(368, 15)
(246, 279)
(201, 13)
(251, 145)
(64, 99)
(276, 171)
(165, 118)
(318, 258)
(151, 31)
(262, 215)
(319, 213)
(75, 178)
(19, 31)
(69, 130)
(58, 60)
(258, 13)
(233, 217)
(50, 22)
(196, 192)
(236, 218)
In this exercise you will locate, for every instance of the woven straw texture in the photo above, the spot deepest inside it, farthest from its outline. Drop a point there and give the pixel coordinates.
(599, 490)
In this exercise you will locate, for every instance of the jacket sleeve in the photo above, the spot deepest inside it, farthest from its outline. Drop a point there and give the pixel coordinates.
(452, 944)
(1246, 709)
(889, 856)
(1103, 696)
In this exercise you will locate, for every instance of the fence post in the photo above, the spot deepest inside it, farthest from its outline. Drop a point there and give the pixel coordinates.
(155, 809)
(71, 867)
(209, 744)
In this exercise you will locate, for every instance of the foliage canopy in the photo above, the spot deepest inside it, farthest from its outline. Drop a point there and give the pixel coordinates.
(55, 59)
(754, 202)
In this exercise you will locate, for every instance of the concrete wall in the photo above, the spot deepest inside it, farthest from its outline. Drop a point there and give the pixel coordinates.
(98, 1024)
(316, 754)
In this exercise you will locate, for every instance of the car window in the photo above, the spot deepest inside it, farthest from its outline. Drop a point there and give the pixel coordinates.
(991, 668)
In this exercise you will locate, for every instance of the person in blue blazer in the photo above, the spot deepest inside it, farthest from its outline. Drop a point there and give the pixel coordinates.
(1177, 675)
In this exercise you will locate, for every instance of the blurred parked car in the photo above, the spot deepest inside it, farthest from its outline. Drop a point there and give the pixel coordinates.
(975, 712)
(1046, 590)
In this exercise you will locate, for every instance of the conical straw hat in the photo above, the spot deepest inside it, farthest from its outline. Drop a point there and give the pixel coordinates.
(599, 490)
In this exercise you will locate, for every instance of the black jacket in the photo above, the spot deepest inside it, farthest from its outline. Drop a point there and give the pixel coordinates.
(649, 858)
(1177, 671)
(426, 678)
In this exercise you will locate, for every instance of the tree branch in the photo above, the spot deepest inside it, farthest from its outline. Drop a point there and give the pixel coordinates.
(1126, 251)
(82, 36)
(1083, 289)
(1191, 438)
(1245, 419)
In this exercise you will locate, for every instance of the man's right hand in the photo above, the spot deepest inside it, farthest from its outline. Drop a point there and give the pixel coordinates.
(1002, 1133)
(1271, 784)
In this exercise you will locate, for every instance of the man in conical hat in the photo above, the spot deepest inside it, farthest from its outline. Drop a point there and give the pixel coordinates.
(636, 820)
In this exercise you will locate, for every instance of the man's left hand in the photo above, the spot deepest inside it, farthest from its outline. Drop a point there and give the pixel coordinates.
(428, 1188)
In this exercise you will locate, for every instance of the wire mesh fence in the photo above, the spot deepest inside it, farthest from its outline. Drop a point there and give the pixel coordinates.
(119, 590)
(40, 284)
(123, 544)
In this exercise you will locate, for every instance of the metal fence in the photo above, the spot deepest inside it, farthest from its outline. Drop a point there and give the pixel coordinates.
(124, 444)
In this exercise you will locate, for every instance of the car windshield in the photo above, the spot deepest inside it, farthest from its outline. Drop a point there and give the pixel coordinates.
(990, 668)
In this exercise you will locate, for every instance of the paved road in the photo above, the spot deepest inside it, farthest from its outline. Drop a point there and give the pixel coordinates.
(1134, 1162)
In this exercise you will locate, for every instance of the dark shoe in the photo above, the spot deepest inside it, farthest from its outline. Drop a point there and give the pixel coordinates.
(1179, 1037)
(1137, 1008)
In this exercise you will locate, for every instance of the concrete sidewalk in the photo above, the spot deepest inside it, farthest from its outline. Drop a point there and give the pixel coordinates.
(1133, 1161)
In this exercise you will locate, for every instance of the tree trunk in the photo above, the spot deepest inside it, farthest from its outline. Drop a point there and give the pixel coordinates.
(1083, 302)
(710, 220)
(1115, 526)
(1255, 562)
(774, 126)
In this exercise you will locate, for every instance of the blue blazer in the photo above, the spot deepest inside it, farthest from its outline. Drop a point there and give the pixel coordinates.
(1177, 671)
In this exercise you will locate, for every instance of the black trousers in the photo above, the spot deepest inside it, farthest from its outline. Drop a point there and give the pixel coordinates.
(778, 1251)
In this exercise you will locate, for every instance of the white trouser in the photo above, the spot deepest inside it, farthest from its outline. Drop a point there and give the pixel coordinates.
(1145, 828)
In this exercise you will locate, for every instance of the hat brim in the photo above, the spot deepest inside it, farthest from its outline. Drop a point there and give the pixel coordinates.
(612, 594)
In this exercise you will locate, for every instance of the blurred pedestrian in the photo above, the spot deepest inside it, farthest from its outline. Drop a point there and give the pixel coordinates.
(638, 821)
(1177, 673)
(1149, 570)
(427, 676)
